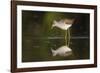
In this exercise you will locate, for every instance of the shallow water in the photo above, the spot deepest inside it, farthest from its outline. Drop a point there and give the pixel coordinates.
(41, 51)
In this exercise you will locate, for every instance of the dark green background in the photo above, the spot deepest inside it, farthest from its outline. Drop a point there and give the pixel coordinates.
(38, 38)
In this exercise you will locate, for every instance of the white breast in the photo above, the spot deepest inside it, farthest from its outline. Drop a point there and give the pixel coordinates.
(62, 51)
(61, 25)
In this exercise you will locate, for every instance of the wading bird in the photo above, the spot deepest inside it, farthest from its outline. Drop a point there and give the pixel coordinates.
(63, 24)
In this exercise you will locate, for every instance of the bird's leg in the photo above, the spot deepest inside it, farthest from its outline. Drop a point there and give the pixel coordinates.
(68, 36)
(65, 37)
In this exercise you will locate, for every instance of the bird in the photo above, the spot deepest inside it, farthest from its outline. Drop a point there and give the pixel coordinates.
(63, 24)
(62, 51)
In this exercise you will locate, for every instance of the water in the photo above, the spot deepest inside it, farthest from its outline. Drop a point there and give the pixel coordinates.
(41, 51)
